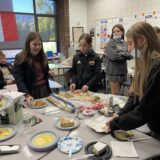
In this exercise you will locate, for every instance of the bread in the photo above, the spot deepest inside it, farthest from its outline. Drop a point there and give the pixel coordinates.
(66, 122)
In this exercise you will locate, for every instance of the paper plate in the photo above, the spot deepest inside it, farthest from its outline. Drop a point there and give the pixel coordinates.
(103, 156)
(7, 132)
(76, 124)
(70, 144)
(39, 106)
(43, 141)
(122, 135)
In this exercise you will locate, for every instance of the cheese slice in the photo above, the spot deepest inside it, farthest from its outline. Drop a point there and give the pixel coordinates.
(99, 148)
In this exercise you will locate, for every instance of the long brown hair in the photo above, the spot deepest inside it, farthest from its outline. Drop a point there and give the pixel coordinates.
(150, 51)
(121, 29)
(25, 55)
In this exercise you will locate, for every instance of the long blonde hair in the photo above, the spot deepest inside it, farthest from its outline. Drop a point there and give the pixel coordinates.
(150, 51)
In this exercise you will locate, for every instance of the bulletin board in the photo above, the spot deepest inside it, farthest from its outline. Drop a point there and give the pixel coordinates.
(103, 28)
(76, 33)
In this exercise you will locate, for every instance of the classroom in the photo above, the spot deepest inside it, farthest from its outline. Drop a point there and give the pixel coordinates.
(79, 79)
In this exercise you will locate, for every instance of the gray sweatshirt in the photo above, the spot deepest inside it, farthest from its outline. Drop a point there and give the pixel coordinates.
(117, 56)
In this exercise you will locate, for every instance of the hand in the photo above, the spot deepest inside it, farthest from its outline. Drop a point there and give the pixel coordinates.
(51, 73)
(107, 129)
(29, 100)
(9, 82)
(85, 88)
(72, 87)
(111, 119)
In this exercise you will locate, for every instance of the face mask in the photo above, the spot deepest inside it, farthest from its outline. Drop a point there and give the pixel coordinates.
(133, 53)
(117, 37)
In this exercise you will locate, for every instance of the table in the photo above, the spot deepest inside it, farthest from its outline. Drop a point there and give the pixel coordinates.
(22, 139)
(52, 84)
(145, 148)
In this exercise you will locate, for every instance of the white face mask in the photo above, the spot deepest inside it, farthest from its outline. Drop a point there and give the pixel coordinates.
(133, 53)
(117, 37)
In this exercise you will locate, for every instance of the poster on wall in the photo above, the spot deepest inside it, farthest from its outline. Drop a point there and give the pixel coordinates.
(103, 33)
(77, 32)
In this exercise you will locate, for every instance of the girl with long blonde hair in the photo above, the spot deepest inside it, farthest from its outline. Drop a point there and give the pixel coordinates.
(143, 105)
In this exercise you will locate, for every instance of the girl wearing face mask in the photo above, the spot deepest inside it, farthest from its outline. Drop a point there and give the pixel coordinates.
(117, 55)
(86, 67)
(31, 69)
(143, 105)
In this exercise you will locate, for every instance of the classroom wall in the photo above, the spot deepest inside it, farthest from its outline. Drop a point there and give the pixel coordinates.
(77, 15)
(102, 9)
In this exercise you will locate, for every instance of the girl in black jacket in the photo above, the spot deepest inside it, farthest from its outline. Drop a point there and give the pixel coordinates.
(143, 105)
(31, 69)
(86, 67)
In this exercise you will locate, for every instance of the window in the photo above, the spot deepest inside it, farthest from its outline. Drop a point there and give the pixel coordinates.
(16, 6)
(45, 7)
(18, 18)
(46, 28)
(50, 46)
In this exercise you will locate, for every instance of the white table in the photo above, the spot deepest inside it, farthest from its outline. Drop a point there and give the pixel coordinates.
(145, 149)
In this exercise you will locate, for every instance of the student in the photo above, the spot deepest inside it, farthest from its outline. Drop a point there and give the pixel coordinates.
(143, 105)
(5, 70)
(31, 69)
(117, 56)
(86, 67)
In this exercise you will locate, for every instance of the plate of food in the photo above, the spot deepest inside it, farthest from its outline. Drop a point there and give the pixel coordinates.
(99, 150)
(99, 124)
(43, 141)
(70, 144)
(85, 96)
(60, 103)
(7, 132)
(39, 103)
(67, 123)
(66, 95)
(123, 135)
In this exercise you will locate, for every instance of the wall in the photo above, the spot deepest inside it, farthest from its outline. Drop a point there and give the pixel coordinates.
(77, 15)
(63, 26)
(102, 9)
(86, 12)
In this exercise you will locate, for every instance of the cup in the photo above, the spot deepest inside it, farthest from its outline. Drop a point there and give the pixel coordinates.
(26, 123)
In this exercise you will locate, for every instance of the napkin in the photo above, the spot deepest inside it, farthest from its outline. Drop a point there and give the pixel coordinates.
(99, 124)
(123, 149)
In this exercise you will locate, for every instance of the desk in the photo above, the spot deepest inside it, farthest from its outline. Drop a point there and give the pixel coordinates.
(52, 85)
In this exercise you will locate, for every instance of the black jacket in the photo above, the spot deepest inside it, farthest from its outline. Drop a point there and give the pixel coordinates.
(2, 81)
(25, 76)
(86, 70)
(136, 113)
